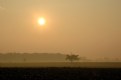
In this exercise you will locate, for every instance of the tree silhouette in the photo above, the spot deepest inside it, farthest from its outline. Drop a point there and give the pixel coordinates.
(72, 57)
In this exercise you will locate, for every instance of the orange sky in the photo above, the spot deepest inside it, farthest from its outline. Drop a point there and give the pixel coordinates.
(91, 28)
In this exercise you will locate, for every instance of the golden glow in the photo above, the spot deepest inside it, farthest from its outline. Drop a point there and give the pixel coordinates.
(41, 21)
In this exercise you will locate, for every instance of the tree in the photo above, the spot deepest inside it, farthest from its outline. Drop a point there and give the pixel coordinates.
(72, 57)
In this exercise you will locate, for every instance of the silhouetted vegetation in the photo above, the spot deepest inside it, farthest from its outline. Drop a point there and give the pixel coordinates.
(72, 57)
(32, 57)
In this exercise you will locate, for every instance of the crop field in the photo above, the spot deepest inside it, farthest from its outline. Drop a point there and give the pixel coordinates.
(60, 73)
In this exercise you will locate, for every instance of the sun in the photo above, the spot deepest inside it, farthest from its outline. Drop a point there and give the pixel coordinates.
(41, 21)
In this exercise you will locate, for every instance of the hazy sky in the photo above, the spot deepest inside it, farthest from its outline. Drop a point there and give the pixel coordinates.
(90, 28)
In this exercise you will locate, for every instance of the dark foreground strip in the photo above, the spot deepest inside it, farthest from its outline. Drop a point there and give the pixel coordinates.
(60, 73)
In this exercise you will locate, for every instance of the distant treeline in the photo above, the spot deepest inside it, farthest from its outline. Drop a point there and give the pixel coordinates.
(32, 57)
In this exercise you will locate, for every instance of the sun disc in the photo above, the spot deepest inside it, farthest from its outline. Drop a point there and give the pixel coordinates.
(41, 21)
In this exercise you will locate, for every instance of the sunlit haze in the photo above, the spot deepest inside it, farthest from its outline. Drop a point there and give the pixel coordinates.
(90, 28)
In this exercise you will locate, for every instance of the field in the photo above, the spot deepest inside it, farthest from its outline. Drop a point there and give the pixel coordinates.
(65, 64)
(60, 71)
